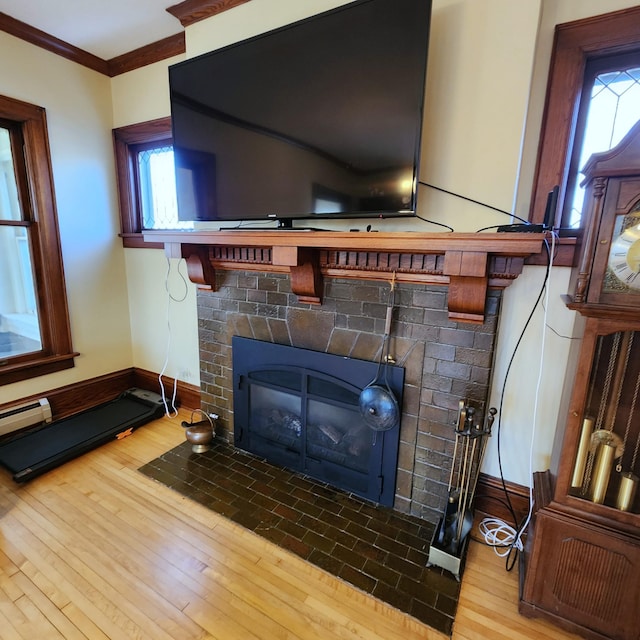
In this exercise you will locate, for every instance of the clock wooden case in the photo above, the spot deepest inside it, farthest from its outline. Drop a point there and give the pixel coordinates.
(608, 273)
(581, 566)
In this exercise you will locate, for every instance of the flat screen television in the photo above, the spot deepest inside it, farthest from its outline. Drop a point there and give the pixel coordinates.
(318, 119)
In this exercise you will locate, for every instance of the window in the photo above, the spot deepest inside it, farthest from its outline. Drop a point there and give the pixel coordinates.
(146, 181)
(584, 53)
(19, 323)
(609, 107)
(35, 338)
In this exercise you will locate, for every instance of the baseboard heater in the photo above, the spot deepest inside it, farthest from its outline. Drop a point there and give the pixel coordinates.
(25, 415)
(43, 448)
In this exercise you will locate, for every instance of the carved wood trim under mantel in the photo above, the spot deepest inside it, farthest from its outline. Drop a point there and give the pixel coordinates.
(468, 263)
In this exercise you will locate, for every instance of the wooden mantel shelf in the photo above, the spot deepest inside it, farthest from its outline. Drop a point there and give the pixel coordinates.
(468, 263)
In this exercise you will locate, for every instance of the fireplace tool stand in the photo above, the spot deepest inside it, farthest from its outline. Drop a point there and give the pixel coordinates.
(449, 541)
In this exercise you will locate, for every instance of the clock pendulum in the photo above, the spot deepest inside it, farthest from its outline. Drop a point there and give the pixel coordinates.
(606, 445)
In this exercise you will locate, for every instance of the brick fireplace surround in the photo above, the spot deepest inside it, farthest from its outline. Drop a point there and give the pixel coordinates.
(445, 361)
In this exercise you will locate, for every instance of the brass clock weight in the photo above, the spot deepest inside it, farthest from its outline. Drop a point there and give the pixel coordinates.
(608, 441)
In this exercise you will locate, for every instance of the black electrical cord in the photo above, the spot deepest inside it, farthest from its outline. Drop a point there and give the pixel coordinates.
(517, 526)
(440, 224)
(482, 204)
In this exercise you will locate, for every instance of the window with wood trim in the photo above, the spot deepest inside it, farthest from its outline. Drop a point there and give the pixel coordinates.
(580, 48)
(609, 108)
(35, 336)
(146, 181)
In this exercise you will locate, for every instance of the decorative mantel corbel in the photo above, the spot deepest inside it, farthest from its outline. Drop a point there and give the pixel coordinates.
(199, 267)
(468, 284)
(304, 271)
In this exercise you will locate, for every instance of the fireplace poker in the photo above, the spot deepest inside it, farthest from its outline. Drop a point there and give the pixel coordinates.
(463, 480)
(449, 522)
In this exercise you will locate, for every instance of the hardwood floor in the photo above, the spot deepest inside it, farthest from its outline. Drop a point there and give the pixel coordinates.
(95, 549)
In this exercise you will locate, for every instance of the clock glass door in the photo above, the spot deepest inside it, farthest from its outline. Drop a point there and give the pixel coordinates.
(623, 272)
(607, 463)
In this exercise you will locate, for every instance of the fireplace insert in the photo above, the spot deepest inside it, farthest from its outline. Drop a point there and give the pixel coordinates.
(299, 408)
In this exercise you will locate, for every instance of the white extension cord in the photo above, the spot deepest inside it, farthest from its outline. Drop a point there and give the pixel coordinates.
(500, 535)
(173, 411)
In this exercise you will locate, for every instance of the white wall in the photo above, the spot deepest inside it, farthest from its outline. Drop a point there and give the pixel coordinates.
(480, 60)
(78, 106)
(530, 396)
(248, 20)
(164, 328)
(164, 332)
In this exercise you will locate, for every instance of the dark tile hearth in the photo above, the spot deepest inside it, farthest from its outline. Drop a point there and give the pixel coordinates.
(376, 549)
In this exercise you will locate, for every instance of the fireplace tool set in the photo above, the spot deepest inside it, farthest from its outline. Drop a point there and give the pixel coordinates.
(450, 537)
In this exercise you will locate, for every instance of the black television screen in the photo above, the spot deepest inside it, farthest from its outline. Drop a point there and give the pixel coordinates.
(320, 118)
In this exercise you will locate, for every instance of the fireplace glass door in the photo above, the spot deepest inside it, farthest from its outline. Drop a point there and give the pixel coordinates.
(299, 409)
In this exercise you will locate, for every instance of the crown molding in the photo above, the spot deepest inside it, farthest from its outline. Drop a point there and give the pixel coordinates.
(46, 41)
(187, 12)
(192, 11)
(160, 50)
(154, 52)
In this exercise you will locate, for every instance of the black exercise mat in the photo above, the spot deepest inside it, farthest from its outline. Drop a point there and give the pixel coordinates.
(45, 448)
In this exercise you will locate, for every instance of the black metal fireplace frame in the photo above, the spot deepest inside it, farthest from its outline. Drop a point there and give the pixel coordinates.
(310, 375)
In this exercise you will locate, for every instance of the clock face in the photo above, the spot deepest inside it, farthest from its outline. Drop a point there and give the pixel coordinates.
(624, 257)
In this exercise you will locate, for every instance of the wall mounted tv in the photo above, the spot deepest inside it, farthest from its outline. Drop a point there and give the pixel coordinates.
(319, 119)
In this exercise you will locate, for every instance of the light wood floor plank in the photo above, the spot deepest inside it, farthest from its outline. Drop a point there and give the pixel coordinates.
(61, 600)
(83, 623)
(9, 632)
(8, 608)
(96, 571)
(51, 614)
(115, 564)
(96, 550)
(215, 573)
(83, 586)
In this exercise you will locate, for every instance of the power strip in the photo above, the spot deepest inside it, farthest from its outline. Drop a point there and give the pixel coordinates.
(522, 228)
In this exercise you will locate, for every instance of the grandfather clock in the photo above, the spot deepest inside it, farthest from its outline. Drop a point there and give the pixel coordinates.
(581, 567)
